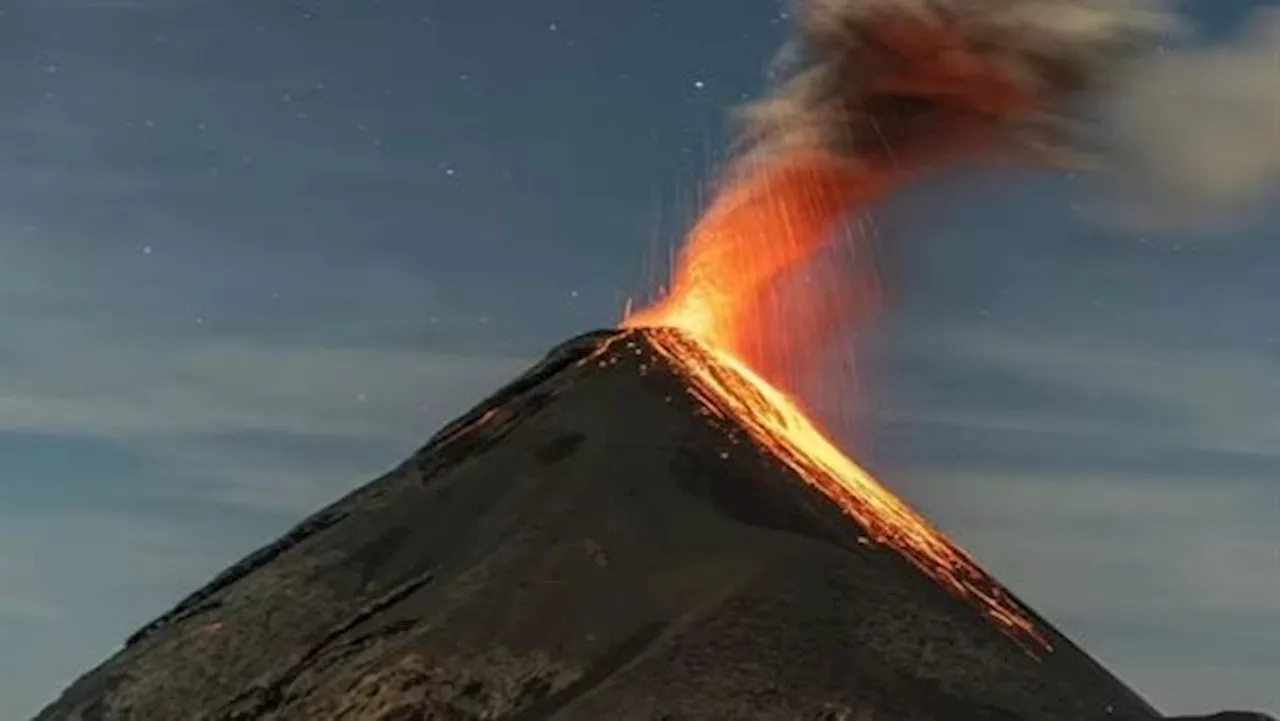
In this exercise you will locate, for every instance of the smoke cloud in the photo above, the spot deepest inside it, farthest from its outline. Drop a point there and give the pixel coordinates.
(869, 78)
(1194, 134)
(1185, 134)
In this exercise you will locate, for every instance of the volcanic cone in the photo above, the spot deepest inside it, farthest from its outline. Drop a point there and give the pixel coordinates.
(602, 539)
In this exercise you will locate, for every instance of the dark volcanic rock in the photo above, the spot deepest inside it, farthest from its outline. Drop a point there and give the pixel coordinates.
(584, 545)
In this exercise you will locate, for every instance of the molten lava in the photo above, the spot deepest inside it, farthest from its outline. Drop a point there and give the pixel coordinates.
(757, 231)
(710, 329)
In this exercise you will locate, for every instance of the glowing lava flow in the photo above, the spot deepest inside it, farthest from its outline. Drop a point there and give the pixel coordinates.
(704, 327)
(771, 222)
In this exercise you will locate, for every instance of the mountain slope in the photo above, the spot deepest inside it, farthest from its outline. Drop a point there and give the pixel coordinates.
(590, 543)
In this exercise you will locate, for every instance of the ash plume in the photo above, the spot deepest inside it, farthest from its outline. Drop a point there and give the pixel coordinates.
(878, 79)
(1185, 133)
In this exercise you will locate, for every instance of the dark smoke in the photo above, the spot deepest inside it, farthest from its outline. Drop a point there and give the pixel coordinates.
(1081, 83)
(871, 78)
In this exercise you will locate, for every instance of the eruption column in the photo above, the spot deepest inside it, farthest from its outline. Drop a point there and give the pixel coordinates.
(759, 229)
(880, 91)
(771, 222)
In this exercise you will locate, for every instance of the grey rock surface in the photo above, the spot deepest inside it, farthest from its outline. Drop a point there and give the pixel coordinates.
(585, 545)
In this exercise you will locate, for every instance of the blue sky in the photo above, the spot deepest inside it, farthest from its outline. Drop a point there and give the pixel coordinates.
(253, 253)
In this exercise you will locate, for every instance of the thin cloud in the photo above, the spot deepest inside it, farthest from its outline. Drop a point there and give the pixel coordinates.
(1212, 399)
(1160, 580)
(131, 565)
(1198, 129)
(158, 390)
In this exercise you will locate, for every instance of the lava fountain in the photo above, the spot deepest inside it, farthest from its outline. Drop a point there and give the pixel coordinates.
(884, 92)
(755, 233)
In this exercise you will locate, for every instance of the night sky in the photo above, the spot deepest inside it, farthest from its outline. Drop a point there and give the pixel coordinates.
(254, 252)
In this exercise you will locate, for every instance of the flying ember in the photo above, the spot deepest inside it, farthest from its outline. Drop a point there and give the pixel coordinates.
(755, 233)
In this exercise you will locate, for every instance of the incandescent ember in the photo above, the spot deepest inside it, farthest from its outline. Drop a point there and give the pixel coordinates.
(883, 92)
(761, 228)
(775, 421)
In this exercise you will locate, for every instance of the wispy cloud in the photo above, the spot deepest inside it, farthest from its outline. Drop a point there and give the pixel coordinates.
(1211, 399)
(86, 356)
(1200, 127)
(1128, 490)
(163, 391)
(1173, 586)
(129, 565)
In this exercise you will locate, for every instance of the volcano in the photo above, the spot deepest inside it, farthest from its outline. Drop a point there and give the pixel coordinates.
(595, 541)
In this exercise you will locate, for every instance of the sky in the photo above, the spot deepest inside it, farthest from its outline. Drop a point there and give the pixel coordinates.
(254, 252)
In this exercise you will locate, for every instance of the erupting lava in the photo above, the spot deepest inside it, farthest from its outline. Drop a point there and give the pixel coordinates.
(758, 230)
(879, 91)
(769, 224)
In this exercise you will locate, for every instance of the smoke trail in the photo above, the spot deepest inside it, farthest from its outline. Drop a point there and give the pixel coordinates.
(1187, 135)
(872, 93)
(1194, 134)
(924, 79)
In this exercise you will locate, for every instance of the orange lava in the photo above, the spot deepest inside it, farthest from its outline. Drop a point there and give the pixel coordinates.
(758, 230)
(710, 327)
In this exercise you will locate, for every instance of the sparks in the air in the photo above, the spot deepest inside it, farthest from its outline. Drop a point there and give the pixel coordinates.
(878, 92)
(709, 331)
